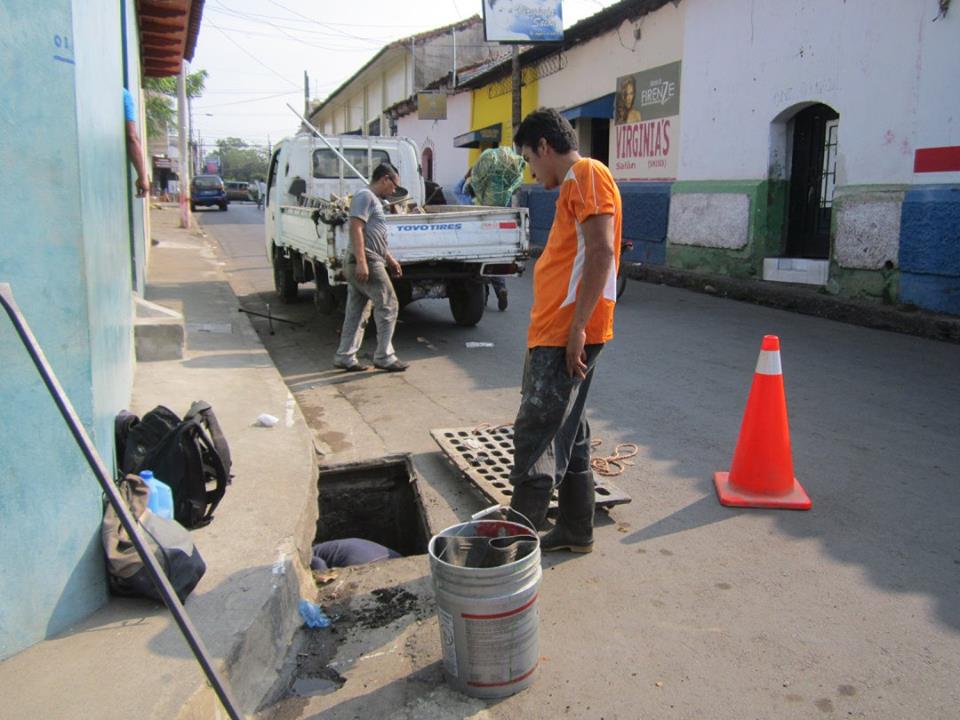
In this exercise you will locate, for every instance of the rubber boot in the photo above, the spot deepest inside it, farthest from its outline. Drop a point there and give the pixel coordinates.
(532, 503)
(574, 529)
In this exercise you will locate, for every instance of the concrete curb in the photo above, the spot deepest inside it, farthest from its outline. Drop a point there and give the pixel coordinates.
(808, 301)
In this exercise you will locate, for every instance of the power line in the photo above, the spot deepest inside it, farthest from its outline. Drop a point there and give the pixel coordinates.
(249, 100)
(247, 52)
(336, 34)
(294, 12)
(237, 13)
(256, 33)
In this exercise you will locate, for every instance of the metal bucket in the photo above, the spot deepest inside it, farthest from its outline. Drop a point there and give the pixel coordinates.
(486, 578)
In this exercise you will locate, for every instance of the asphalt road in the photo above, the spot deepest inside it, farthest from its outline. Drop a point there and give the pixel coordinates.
(688, 609)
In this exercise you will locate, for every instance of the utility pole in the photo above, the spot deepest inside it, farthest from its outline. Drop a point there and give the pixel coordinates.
(306, 94)
(454, 56)
(516, 88)
(184, 163)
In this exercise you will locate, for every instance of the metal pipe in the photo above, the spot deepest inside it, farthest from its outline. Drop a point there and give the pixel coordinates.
(269, 316)
(339, 154)
(110, 490)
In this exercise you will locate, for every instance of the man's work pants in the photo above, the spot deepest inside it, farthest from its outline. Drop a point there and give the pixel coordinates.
(551, 436)
(376, 294)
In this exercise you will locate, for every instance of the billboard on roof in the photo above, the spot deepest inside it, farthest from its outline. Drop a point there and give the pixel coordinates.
(523, 21)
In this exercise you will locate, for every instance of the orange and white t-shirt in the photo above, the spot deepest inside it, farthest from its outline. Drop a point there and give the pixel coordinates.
(587, 190)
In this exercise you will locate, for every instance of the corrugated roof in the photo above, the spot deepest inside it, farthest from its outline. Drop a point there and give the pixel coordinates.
(402, 43)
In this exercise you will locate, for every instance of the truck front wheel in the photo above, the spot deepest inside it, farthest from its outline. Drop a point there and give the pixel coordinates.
(284, 281)
(466, 302)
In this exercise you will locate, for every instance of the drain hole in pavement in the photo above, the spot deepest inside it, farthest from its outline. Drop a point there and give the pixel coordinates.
(377, 500)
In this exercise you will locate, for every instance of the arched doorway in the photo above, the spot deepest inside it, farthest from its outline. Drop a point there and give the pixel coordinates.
(426, 163)
(812, 180)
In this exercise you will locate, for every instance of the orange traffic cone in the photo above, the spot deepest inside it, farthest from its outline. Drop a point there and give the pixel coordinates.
(762, 470)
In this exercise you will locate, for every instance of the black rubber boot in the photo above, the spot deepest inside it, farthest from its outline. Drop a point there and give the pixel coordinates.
(574, 529)
(532, 503)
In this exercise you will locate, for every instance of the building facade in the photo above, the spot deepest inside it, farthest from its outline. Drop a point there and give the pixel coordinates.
(399, 70)
(73, 254)
(816, 144)
(816, 147)
(442, 162)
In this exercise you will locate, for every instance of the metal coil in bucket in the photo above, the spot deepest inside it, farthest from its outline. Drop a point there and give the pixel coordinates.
(484, 543)
(486, 577)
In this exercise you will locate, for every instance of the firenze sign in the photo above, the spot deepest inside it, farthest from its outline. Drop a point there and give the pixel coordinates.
(647, 124)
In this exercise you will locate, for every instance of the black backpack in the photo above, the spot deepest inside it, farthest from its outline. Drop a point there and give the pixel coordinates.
(190, 455)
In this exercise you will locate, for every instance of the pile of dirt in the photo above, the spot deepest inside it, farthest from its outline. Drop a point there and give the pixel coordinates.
(391, 604)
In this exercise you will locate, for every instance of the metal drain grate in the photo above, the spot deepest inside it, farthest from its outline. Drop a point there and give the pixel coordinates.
(485, 456)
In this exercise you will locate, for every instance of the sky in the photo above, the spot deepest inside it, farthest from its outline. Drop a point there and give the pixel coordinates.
(256, 51)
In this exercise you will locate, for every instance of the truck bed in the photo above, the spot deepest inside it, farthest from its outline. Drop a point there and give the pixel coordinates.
(461, 233)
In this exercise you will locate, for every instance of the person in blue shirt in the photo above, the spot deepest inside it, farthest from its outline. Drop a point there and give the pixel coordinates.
(348, 551)
(134, 147)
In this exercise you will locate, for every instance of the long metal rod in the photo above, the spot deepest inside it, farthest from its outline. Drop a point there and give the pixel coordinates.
(126, 519)
(316, 132)
(269, 317)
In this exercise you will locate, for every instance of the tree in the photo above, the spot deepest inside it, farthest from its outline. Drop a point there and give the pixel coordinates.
(161, 112)
(241, 161)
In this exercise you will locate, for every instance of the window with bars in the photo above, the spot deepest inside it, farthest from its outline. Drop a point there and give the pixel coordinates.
(829, 179)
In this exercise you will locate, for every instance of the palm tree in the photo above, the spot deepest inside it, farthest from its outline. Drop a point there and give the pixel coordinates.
(159, 99)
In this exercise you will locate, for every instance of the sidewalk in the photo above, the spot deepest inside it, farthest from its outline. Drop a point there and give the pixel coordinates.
(129, 659)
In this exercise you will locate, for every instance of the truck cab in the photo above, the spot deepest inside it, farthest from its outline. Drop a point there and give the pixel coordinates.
(303, 166)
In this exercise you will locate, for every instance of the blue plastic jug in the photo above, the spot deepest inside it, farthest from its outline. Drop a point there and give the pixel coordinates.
(160, 500)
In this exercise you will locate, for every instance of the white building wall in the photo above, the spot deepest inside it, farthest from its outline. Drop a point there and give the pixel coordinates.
(938, 122)
(396, 83)
(592, 68)
(374, 93)
(746, 64)
(355, 110)
(449, 163)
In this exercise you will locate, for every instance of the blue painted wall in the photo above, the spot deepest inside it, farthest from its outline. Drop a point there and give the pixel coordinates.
(646, 213)
(930, 248)
(66, 254)
(136, 207)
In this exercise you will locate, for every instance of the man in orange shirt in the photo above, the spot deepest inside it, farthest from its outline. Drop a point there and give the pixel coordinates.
(574, 294)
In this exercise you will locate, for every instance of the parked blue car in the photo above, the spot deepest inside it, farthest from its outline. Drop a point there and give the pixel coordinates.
(208, 190)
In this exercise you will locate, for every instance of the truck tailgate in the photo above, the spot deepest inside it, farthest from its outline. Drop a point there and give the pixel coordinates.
(471, 235)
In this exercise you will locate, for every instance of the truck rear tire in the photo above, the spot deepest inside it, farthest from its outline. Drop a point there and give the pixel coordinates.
(284, 282)
(466, 302)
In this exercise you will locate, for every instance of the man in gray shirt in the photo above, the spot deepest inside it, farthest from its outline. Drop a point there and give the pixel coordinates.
(369, 286)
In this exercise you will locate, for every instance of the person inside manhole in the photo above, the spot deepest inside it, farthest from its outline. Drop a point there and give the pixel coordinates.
(348, 551)
(574, 295)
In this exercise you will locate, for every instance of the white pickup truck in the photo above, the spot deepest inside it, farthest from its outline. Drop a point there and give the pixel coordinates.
(445, 251)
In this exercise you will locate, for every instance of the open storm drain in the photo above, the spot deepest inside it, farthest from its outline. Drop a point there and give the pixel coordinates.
(376, 500)
(485, 456)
